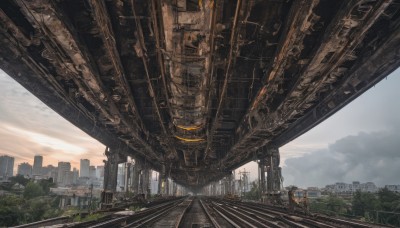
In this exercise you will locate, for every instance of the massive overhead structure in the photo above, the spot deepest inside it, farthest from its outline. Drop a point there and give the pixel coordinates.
(198, 86)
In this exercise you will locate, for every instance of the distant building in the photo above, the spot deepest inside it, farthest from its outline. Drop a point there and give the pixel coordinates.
(6, 167)
(25, 169)
(75, 176)
(313, 192)
(92, 172)
(77, 197)
(50, 172)
(393, 188)
(37, 165)
(100, 172)
(84, 181)
(46, 170)
(369, 187)
(84, 169)
(341, 188)
(64, 174)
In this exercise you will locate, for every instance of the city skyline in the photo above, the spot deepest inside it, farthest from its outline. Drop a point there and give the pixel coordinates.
(73, 169)
(16, 164)
(24, 120)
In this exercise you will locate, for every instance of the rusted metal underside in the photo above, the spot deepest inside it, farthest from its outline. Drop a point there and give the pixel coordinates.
(202, 86)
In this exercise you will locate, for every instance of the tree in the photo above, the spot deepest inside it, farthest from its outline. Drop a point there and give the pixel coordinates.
(364, 202)
(390, 205)
(19, 179)
(11, 210)
(33, 190)
(46, 184)
(254, 193)
(336, 204)
(36, 208)
(390, 201)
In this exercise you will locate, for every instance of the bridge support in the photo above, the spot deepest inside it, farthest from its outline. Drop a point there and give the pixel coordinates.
(141, 178)
(136, 176)
(262, 168)
(213, 190)
(174, 188)
(161, 180)
(110, 176)
(163, 186)
(274, 175)
(167, 190)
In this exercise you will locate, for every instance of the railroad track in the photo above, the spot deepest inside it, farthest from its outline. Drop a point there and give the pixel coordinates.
(212, 212)
(133, 220)
(278, 217)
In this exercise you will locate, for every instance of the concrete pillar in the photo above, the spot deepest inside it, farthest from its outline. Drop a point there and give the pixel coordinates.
(146, 174)
(174, 188)
(159, 183)
(261, 165)
(127, 177)
(214, 189)
(136, 176)
(111, 175)
(274, 175)
(167, 186)
(161, 180)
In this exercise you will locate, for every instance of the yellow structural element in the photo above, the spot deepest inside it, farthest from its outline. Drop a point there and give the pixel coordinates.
(188, 140)
(189, 128)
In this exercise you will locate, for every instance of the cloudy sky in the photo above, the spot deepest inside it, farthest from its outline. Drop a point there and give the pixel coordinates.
(28, 128)
(360, 142)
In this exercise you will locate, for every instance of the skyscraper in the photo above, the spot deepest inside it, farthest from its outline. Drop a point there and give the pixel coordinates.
(75, 176)
(92, 172)
(37, 165)
(64, 169)
(25, 169)
(100, 172)
(84, 171)
(6, 167)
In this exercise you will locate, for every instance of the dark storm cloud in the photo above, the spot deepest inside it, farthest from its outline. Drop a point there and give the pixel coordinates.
(364, 157)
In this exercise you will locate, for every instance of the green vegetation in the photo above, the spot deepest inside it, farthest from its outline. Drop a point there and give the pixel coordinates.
(254, 193)
(383, 207)
(26, 202)
(331, 205)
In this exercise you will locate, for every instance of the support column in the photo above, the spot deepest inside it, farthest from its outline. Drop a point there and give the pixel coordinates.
(161, 180)
(146, 181)
(274, 175)
(127, 177)
(167, 186)
(261, 165)
(174, 188)
(136, 176)
(167, 190)
(111, 175)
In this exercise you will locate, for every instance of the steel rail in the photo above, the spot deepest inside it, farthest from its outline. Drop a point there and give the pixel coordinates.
(212, 219)
(313, 220)
(226, 218)
(138, 216)
(179, 220)
(235, 217)
(277, 216)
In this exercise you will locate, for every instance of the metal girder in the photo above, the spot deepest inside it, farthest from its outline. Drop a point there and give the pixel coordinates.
(339, 41)
(218, 81)
(76, 64)
(166, 134)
